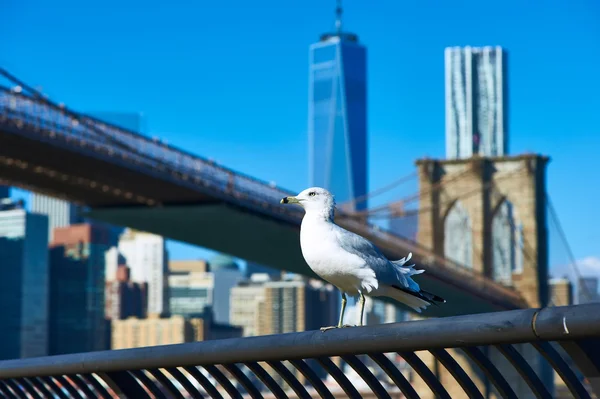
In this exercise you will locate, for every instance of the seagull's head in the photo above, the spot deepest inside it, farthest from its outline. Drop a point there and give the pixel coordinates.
(314, 199)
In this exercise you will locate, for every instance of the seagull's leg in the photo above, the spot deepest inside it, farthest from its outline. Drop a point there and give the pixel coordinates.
(341, 322)
(362, 307)
(340, 325)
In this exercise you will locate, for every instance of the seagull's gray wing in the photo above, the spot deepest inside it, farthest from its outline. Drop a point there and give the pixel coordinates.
(386, 272)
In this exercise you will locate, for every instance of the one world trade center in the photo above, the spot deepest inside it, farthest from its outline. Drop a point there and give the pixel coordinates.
(337, 122)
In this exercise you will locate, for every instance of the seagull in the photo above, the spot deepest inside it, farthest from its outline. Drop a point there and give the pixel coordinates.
(350, 262)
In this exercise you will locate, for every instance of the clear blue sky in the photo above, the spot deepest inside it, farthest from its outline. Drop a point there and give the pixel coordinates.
(228, 80)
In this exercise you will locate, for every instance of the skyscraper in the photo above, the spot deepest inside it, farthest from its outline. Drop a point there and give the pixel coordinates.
(588, 290)
(77, 265)
(476, 102)
(146, 255)
(337, 121)
(60, 213)
(23, 284)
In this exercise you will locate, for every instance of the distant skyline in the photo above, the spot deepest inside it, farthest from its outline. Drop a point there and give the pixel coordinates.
(229, 82)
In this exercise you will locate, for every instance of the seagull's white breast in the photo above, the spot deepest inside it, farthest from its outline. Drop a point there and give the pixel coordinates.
(326, 258)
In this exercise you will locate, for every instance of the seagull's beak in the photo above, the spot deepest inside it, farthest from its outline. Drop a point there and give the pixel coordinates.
(290, 200)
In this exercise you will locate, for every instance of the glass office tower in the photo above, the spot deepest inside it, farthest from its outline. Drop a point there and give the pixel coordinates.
(337, 123)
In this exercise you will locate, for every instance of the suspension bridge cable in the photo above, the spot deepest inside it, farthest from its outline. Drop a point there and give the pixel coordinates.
(465, 195)
(563, 236)
(381, 190)
(373, 211)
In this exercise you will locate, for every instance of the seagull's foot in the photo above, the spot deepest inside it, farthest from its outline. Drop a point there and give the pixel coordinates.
(323, 329)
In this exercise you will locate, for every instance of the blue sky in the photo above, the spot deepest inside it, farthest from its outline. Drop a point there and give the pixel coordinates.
(228, 80)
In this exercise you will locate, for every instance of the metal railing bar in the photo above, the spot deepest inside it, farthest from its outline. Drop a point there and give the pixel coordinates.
(51, 383)
(224, 381)
(101, 392)
(568, 322)
(185, 383)
(40, 386)
(562, 368)
(30, 388)
(330, 367)
(525, 371)
(244, 381)
(65, 382)
(290, 379)
(470, 330)
(457, 372)
(491, 372)
(166, 383)
(209, 388)
(82, 385)
(427, 375)
(312, 377)
(150, 385)
(584, 354)
(395, 375)
(16, 389)
(367, 376)
(6, 390)
(123, 382)
(266, 379)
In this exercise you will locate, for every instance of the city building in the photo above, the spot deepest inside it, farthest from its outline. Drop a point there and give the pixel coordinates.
(561, 292)
(77, 267)
(23, 283)
(337, 116)
(226, 275)
(197, 284)
(146, 256)
(587, 290)
(188, 266)
(476, 102)
(155, 330)
(263, 306)
(60, 213)
(190, 292)
(123, 298)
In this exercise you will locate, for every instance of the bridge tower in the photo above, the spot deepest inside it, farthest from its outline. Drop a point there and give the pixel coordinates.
(489, 214)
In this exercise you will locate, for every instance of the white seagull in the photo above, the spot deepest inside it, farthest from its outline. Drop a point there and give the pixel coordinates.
(350, 262)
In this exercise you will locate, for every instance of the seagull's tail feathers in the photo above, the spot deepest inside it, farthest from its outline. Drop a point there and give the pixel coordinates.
(404, 268)
(408, 291)
(416, 300)
(404, 296)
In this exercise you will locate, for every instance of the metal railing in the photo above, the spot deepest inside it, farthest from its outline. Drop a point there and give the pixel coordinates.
(504, 353)
(38, 118)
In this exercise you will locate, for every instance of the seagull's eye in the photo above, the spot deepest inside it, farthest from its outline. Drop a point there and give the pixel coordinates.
(312, 194)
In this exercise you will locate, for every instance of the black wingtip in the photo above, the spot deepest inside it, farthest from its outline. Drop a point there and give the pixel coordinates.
(424, 295)
(433, 297)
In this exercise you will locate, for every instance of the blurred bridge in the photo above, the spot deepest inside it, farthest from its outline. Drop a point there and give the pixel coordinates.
(512, 354)
(130, 180)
